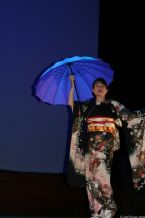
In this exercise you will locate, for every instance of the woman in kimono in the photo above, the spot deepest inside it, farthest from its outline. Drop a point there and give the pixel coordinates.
(94, 139)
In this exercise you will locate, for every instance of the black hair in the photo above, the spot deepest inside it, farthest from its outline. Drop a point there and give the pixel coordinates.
(101, 80)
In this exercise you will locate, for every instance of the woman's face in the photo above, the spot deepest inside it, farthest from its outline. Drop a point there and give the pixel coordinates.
(100, 90)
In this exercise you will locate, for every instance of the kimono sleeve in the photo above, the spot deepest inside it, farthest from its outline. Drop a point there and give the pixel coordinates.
(76, 163)
(135, 139)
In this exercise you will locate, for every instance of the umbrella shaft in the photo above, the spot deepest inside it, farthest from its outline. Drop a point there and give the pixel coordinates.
(81, 110)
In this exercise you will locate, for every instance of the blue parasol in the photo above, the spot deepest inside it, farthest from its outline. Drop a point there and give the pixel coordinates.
(53, 86)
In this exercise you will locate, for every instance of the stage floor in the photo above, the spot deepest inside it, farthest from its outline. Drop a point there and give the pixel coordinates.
(31, 195)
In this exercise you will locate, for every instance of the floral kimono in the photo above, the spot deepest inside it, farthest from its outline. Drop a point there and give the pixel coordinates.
(94, 139)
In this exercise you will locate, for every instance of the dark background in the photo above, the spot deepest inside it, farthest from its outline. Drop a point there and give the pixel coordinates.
(121, 43)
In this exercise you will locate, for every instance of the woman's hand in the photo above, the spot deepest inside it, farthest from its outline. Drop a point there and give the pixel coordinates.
(72, 79)
(71, 94)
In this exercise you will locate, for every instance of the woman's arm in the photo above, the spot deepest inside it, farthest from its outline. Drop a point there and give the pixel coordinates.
(125, 114)
(71, 94)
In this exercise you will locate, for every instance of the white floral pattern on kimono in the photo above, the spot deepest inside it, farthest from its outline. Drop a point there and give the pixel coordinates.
(94, 163)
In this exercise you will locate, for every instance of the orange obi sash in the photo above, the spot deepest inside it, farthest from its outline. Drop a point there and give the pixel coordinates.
(103, 124)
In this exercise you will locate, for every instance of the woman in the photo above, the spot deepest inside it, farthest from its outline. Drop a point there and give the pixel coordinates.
(94, 139)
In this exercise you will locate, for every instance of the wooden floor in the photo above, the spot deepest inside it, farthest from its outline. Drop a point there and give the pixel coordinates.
(27, 216)
(40, 195)
(30, 194)
(3, 216)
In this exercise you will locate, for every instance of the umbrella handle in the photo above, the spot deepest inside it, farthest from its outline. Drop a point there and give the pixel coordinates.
(81, 109)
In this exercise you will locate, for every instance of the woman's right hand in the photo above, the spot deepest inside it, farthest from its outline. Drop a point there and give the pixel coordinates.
(72, 79)
(71, 94)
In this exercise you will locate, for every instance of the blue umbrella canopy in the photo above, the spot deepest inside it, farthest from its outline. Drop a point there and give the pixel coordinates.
(53, 86)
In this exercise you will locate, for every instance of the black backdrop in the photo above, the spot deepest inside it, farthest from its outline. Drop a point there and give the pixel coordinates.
(122, 44)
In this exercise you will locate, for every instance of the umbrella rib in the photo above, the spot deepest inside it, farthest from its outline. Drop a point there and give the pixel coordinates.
(58, 85)
(48, 87)
(51, 83)
(101, 70)
(83, 79)
(88, 73)
(46, 80)
(96, 73)
(48, 72)
(99, 63)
